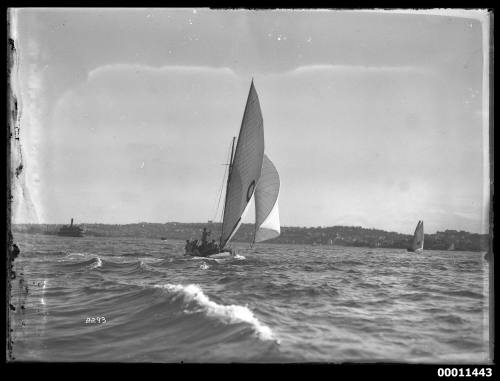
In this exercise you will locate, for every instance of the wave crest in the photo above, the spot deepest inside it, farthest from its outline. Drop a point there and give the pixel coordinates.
(230, 314)
(97, 264)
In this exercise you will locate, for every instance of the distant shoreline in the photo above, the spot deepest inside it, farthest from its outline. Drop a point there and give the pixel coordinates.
(354, 236)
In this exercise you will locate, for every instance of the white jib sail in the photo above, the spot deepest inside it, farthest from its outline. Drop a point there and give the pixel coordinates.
(267, 220)
(246, 166)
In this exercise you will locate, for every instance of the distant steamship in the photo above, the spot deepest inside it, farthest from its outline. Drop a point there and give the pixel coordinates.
(70, 231)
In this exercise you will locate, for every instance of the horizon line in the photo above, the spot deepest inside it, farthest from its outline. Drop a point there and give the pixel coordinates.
(246, 223)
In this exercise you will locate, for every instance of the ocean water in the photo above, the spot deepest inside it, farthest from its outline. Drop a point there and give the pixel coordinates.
(141, 300)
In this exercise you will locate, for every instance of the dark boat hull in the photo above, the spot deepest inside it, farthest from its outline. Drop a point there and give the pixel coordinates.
(70, 231)
(197, 252)
(418, 251)
(70, 234)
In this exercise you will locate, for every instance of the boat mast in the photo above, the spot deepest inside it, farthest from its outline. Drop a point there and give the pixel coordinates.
(227, 188)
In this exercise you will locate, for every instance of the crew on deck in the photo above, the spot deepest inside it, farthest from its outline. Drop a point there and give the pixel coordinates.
(203, 245)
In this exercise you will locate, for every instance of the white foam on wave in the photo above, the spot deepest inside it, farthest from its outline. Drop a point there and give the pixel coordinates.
(204, 266)
(69, 256)
(77, 254)
(202, 258)
(97, 264)
(42, 299)
(209, 259)
(228, 314)
(150, 259)
(240, 257)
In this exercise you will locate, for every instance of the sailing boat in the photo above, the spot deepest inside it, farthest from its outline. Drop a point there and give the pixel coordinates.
(251, 174)
(417, 245)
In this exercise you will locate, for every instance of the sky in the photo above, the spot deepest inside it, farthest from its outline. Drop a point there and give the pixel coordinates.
(373, 119)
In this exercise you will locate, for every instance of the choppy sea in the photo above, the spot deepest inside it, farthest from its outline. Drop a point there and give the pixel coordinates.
(141, 300)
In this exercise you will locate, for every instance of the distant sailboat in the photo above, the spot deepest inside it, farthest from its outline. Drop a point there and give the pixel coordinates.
(251, 174)
(451, 247)
(417, 244)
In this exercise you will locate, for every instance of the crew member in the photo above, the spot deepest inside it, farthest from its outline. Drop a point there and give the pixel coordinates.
(204, 236)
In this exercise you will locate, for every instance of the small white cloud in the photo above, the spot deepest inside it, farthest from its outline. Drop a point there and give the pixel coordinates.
(356, 68)
(93, 74)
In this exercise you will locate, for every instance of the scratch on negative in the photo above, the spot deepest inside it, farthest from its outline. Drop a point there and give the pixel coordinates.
(13, 250)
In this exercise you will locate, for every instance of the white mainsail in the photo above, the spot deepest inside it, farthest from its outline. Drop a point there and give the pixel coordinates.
(418, 237)
(267, 222)
(246, 167)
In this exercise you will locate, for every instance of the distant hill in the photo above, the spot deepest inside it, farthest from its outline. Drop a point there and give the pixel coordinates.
(333, 235)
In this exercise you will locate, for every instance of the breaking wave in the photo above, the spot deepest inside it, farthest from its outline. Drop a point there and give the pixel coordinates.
(229, 314)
